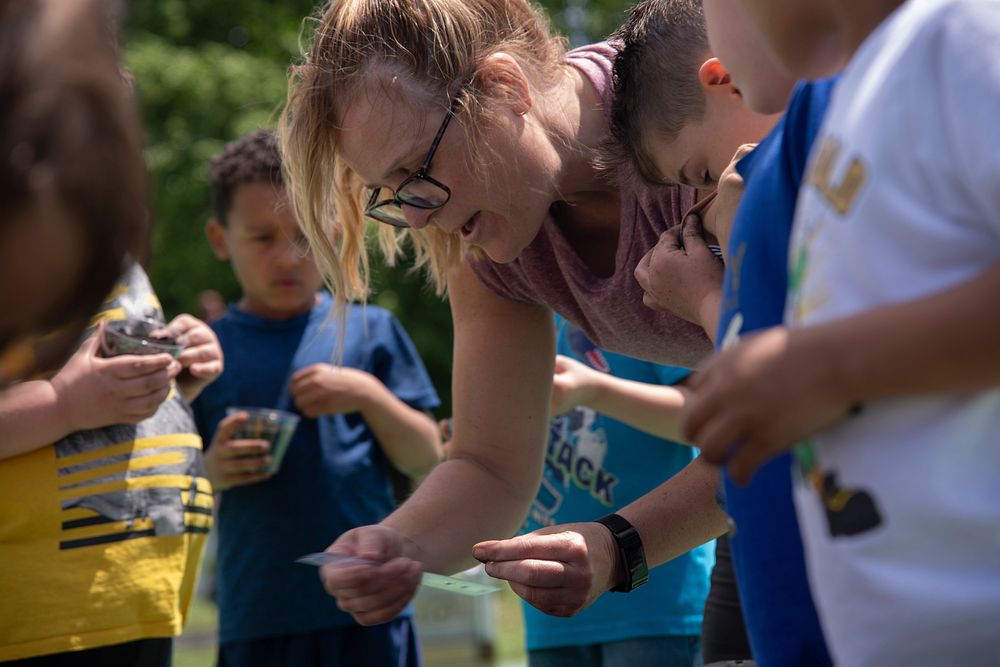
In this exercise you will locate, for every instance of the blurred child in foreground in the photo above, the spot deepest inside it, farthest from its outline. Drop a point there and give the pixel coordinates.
(888, 373)
(72, 181)
(105, 503)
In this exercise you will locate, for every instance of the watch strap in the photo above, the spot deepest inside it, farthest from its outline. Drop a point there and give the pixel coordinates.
(630, 549)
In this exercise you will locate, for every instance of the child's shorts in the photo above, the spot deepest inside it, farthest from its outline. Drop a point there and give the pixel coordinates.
(392, 644)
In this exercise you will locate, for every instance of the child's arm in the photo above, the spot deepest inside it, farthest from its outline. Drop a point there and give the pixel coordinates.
(652, 408)
(88, 392)
(780, 386)
(409, 437)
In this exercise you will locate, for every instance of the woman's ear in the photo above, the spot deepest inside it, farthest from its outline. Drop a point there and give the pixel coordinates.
(501, 77)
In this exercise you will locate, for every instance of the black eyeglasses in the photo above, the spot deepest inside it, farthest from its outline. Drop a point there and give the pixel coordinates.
(418, 189)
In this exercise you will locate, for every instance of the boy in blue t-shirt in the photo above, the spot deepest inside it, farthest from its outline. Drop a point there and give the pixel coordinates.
(358, 418)
(596, 464)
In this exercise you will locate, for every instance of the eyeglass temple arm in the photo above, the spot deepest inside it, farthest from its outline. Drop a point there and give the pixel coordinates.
(437, 139)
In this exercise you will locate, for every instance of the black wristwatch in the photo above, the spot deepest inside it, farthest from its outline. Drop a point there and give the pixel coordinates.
(630, 548)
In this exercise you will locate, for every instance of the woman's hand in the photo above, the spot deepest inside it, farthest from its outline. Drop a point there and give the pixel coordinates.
(559, 570)
(374, 593)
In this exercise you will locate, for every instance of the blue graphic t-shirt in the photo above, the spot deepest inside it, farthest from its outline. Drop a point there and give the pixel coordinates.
(333, 477)
(767, 553)
(595, 465)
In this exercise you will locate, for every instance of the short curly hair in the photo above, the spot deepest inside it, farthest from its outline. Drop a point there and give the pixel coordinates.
(252, 158)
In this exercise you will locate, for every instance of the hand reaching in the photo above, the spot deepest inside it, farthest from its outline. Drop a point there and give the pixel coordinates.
(559, 570)
(372, 594)
(573, 384)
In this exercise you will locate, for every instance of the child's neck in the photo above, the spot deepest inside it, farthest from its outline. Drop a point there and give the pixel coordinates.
(859, 18)
(253, 307)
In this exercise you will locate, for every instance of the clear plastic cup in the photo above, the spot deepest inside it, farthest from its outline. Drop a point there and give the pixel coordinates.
(275, 426)
(138, 336)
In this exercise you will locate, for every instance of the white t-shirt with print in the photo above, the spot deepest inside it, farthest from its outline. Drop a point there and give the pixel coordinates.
(900, 504)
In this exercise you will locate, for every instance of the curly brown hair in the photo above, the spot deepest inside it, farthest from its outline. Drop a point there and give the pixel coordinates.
(254, 157)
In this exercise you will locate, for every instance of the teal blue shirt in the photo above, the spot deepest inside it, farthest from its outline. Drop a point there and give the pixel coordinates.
(595, 465)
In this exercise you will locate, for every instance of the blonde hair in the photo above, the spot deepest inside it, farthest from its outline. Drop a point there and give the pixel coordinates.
(440, 46)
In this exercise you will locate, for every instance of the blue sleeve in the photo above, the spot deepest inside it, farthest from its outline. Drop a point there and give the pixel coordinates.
(398, 366)
(803, 120)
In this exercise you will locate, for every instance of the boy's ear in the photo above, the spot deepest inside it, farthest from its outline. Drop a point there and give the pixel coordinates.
(502, 75)
(713, 73)
(216, 234)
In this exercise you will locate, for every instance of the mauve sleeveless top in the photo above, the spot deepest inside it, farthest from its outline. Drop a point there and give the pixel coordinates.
(609, 310)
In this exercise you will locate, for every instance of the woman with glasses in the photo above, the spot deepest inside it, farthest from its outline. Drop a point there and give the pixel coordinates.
(465, 126)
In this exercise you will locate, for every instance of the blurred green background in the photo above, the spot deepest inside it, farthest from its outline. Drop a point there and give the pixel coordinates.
(208, 71)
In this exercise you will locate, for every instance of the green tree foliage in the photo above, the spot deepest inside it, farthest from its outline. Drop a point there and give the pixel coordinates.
(208, 71)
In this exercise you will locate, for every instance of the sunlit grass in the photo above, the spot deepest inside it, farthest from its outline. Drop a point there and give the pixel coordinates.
(196, 647)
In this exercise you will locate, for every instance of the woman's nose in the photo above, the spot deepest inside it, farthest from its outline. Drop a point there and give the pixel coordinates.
(417, 218)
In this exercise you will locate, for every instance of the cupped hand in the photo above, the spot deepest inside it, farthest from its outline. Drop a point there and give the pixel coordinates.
(573, 384)
(229, 462)
(324, 389)
(681, 275)
(559, 570)
(758, 399)
(201, 358)
(94, 392)
(372, 593)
